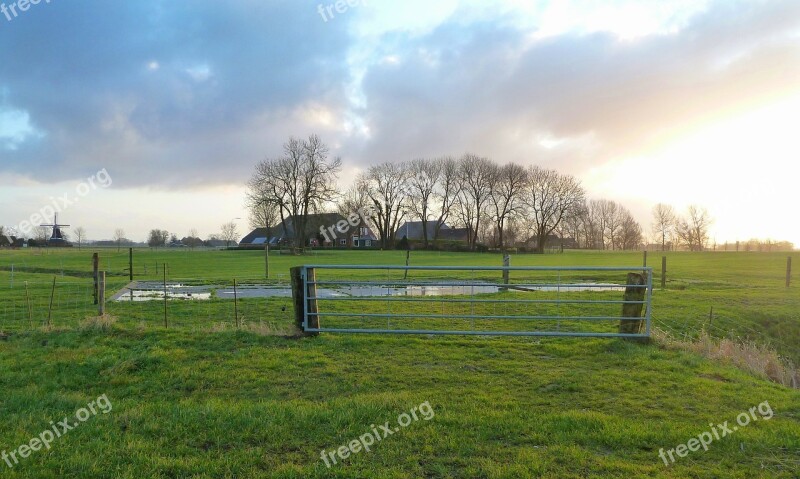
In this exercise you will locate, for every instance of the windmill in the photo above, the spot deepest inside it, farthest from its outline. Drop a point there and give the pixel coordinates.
(56, 238)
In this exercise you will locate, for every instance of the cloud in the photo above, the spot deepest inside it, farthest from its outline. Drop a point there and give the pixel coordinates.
(166, 93)
(178, 95)
(489, 88)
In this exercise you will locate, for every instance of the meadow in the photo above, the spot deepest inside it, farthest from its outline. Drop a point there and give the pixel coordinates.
(204, 398)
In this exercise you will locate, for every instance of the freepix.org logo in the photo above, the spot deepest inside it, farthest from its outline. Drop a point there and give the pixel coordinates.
(15, 9)
(101, 179)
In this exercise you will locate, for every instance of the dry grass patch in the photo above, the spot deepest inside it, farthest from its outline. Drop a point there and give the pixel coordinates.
(98, 323)
(756, 358)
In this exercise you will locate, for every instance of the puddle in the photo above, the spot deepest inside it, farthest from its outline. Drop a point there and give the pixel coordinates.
(144, 291)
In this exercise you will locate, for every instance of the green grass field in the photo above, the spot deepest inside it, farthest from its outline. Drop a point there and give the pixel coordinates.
(202, 399)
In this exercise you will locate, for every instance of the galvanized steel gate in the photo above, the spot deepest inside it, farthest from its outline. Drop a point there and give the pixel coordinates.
(467, 300)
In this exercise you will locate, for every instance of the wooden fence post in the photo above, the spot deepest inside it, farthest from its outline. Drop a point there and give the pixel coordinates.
(28, 304)
(300, 304)
(101, 293)
(266, 255)
(644, 259)
(506, 264)
(95, 269)
(663, 272)
(788, 271)
(635, 293)
(50, 309)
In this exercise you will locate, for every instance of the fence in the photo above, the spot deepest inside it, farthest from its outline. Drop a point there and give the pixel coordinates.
(190, 303)
(492, 301)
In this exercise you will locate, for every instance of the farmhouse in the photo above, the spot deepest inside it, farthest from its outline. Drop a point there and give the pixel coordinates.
(553, 241)
(413, 231)
(359, 236)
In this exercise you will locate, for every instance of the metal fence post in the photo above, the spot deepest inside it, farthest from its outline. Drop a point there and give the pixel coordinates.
(300, 276)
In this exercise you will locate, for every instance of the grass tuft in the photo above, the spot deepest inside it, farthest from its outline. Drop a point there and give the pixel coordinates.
(98, 323)
(750, 356)
(261, 328)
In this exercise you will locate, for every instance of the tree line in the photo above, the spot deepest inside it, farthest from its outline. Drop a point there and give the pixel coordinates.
(498, 205)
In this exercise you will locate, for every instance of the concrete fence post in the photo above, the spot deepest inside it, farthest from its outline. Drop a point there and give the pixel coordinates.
(632, 308)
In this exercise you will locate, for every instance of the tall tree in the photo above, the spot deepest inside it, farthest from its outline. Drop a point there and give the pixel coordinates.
(612, 223)
(474, 192)
(630, 233)
(80, 235)
(229, 233)
(386, 186)
(508, 183)
(119, 237)
(262, 199)
(693, 230)
(663, 223)
(446, 192)
(549, 197)
(157, 238)
(297, 184)
(423, 178)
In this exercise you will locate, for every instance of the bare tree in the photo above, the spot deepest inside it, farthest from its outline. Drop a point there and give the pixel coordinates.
(194, 238)
(612, 223)
(693, 230)
(119, 237)
(296, 184)
(157, 238)
(508, 183)
(80, 235)
(446, 192)
(574, 224)
(262, 198)
(229, 233)
(630, 233)
(550, 197)
(423, 178)
(474, 192)
(387, 189)
(355, 199)
(592, 224)
(663, 223)
(41, 234)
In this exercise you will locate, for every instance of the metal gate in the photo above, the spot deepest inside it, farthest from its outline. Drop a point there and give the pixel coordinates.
(476, 300)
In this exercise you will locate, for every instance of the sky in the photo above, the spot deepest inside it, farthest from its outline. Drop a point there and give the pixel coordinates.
(153, 114)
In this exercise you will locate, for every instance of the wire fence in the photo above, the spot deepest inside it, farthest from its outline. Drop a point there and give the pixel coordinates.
(190, 303)
(28, 301)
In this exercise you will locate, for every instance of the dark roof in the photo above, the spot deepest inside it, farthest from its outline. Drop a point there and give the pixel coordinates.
(414, 230)
(554, 240)
(254, 235)
(280, 231)
(454, 234)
